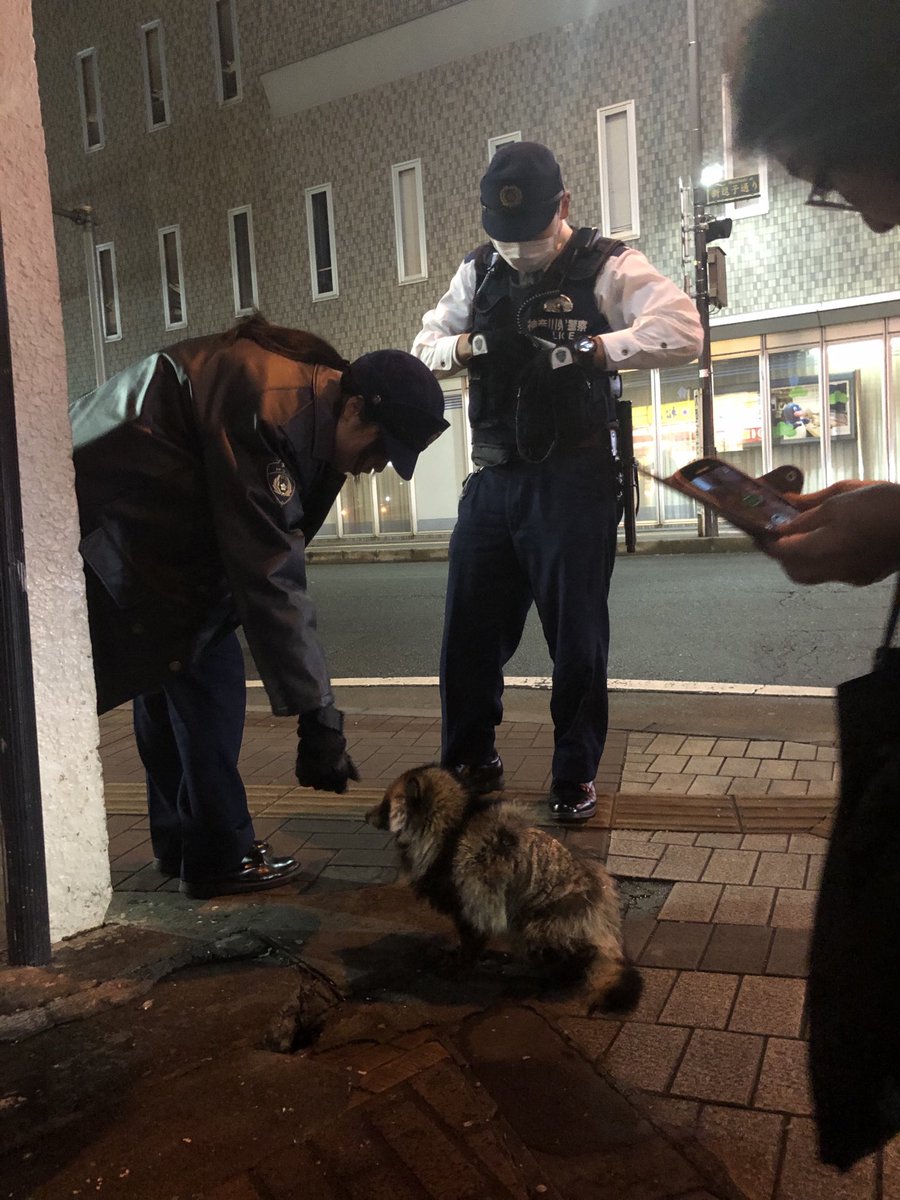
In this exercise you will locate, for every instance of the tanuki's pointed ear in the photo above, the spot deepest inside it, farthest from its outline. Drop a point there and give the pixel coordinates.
(415, 791)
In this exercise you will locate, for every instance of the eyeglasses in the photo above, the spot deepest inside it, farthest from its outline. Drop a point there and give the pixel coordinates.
(821, 196)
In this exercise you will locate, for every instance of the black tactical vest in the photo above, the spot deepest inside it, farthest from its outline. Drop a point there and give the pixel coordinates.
(540, 309)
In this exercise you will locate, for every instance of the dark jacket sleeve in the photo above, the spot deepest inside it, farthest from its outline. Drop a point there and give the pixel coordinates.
(257, 502)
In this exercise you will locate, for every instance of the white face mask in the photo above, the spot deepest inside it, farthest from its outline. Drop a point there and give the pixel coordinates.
(529, 257)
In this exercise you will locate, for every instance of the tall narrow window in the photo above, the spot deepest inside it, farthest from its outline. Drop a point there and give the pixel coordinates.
(409, 221)
(89, 99)
(172, 272)
(156, 87)
(504, 139)
(243, 260)
(226, 50)
(109, 291)
(618, 171)
(738, 165)
(320, 229)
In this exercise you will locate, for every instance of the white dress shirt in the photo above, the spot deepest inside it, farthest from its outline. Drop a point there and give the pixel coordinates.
(654, 324)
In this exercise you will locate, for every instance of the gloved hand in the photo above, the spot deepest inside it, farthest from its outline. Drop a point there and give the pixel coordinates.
(322, 758)
(499, 357)
(506, 346)
(553, 404)
(503, 351)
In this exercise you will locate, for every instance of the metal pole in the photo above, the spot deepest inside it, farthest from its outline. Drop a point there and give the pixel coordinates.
(90, 262)
(709, 520)
(27, 912)
(84, 217)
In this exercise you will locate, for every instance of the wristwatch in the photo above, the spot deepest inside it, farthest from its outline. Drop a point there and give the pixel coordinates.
(586, 347)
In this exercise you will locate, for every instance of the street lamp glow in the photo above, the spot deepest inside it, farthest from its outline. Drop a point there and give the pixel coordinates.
(714, 173)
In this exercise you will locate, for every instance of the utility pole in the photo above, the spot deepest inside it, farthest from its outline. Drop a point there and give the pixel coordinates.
(709, 523)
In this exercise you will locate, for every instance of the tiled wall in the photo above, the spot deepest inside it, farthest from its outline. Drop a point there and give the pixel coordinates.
(211, 159)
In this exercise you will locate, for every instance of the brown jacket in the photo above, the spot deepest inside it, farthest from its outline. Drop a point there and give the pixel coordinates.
(201, 474)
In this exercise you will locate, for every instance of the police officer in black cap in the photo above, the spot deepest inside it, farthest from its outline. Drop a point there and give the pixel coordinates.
(202, 472)
(541, 317)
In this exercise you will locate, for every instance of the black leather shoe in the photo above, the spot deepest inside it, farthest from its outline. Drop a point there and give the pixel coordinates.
(258, 870)
(167, 866)
(483, 778)
(573, 801)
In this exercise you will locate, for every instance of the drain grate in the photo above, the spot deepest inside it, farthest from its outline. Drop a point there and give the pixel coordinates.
(643, 895)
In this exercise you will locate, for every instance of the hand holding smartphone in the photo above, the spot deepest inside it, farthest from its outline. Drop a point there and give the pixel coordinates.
(752, 505)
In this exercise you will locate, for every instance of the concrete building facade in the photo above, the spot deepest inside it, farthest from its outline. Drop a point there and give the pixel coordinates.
(320, 162)
(67, 730)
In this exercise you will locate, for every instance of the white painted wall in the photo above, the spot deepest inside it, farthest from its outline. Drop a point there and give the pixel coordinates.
(68, 733)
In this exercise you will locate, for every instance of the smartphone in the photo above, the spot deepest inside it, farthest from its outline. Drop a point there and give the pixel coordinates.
(750, 504)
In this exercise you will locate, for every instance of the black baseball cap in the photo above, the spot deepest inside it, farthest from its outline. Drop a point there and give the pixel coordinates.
(405, 399)
(520, 192)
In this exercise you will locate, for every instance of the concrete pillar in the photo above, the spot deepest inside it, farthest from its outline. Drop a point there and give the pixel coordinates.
(68, 734)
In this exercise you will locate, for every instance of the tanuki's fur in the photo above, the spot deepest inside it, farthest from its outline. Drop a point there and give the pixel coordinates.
(478, 862)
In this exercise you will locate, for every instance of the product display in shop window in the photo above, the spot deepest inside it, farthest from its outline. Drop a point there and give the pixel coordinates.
(796, 414)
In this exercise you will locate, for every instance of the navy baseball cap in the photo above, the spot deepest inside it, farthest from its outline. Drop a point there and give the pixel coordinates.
(520, 192)
(406, 401)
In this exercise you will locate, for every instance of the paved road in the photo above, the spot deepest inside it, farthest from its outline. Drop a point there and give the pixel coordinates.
(732, 617)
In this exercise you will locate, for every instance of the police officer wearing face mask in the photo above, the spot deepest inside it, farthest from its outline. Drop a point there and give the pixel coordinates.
(540, 317)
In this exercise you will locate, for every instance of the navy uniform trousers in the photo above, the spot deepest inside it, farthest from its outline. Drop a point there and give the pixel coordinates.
(189, 736)
(546, 533)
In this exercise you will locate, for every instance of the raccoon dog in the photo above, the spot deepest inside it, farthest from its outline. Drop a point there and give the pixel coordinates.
(479, 863)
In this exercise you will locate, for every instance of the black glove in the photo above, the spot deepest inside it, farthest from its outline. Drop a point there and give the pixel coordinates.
(505, 346)
(555, 404)
(322, 758)
(507, 353)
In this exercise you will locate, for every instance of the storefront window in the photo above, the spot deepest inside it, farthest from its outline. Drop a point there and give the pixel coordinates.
(330, 524)
(856, 410)
(356, 506)
(737, 408)
(678, 434)
(443, 466)
(795, 413)
(638, 390)
(666, 421)
(394, 515)
(895, 376)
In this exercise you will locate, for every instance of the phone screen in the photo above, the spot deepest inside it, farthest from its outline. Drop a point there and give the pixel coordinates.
(744, 501)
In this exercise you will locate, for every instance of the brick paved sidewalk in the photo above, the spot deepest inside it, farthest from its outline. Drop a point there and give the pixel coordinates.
(716, 1052)
(718, 847)
(647, 780)
(448, 1091)
(633, 764)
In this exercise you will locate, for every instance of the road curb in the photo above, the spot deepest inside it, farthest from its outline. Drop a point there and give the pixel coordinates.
(437, 551)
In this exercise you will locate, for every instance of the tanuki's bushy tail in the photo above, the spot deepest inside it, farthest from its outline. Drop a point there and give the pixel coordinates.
(620, 992)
